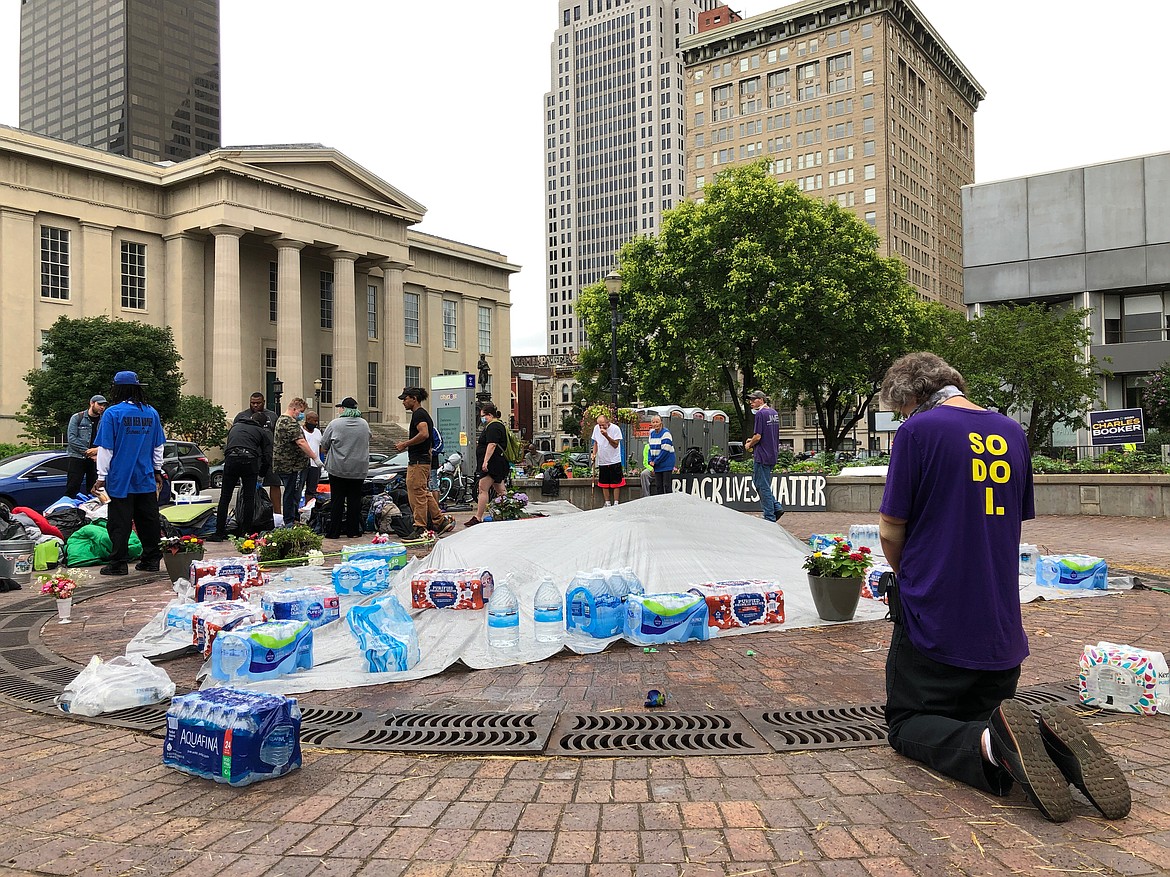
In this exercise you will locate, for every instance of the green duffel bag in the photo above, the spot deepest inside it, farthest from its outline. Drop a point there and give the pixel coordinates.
(91, 545)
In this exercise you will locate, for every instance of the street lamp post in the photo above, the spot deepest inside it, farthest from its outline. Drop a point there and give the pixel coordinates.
(317, 385)
(277, 392)
(613, 284)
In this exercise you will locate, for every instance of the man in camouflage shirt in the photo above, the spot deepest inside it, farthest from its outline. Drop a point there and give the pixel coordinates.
(290, 455)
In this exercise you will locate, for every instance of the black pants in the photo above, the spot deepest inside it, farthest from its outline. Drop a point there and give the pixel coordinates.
(310, 476)
(81, 470)
(937, 713)
(244, 472)
(345, 507)
(660, 483)
(141, 509)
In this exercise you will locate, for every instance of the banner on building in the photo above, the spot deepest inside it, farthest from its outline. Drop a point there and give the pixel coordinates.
(798, 493)
(1123, 426)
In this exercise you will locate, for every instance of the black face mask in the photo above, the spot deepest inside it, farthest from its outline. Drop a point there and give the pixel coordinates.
(310, 426)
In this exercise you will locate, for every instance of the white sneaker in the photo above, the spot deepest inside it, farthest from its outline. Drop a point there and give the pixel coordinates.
(608, 503)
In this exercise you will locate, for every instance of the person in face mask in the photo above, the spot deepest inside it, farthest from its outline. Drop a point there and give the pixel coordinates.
(311, 474)
(290, 455)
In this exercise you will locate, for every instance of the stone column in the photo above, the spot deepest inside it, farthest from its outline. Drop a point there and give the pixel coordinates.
(345, 368)
(290, 367)
(393, 338)
(184, 301)
(98, 287)
(227, 381)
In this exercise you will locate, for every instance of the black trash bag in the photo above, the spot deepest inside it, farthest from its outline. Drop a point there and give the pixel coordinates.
(319, 517)
(550, 485)
(67, 520)
(718, 464)
(692, 463)
(262, 517)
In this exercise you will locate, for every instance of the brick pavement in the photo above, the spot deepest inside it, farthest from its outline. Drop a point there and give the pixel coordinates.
(84, 799)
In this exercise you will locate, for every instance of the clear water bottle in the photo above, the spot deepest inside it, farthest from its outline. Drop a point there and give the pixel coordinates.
(633, 584)
(503, 617)
(548, 612)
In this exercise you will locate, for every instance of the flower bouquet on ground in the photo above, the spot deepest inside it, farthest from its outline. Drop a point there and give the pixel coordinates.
(512, 506)
(58, 587)
(285, 545)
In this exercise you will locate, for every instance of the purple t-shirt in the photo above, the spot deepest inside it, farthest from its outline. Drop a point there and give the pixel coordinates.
(767, 427)
(962, 480)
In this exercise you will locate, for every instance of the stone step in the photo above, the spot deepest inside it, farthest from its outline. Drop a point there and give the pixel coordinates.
(383, 437)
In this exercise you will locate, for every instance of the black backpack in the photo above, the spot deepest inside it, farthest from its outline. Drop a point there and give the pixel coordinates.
(692, 463)
(718, 465)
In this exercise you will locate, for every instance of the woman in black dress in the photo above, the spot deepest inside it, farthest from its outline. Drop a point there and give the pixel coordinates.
(491, 466)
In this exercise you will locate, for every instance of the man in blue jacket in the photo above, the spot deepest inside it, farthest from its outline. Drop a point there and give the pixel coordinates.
(661, 457)
(130, 443)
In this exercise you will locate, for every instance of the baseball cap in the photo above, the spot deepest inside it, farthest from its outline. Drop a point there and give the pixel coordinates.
(757, 394)
(410, 391)
(127, 379)
(347, 402)
(98, 398)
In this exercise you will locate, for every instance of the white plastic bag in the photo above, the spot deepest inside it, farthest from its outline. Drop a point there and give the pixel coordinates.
(117, 684)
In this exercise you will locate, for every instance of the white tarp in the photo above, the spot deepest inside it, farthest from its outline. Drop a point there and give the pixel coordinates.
(671, 542)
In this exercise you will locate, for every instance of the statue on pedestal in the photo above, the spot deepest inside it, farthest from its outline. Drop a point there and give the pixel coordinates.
(484, 371)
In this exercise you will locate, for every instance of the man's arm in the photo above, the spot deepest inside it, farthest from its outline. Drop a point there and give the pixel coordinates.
(73, 435)
(893, 536)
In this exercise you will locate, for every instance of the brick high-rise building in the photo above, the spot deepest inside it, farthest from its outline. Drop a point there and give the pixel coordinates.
(614, 137)
(862, 102)
(133, 77)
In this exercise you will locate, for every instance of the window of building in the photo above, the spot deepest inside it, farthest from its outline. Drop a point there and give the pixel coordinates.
(372, 385)
(372, 312)
(870, 171)
(450, 326)
(545, 400)
(272, 312)
(871, 218)
(327, 377)
(787, 419)
(410, 305)
(326, 284)
(871, 196)
(413, 376)
(55, 263)
(869, 147)
(720, 93)
(1143, 317)
(866, 31)
(485, 329)
(867, 77)
(133, 276)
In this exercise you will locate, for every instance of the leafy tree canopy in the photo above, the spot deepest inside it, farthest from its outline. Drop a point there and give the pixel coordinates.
(80, 358)
(757, 286)
(1029, 361)
(199, 420)
(1157, 398)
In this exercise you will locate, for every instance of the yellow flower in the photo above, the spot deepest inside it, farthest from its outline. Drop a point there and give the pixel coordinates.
(818, 554)
(248, 543)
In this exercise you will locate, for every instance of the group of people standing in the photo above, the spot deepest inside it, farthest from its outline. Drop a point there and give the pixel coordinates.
(286, 454)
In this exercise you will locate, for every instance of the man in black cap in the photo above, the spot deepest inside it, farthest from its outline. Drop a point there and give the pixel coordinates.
(82, 454)
(418, 469)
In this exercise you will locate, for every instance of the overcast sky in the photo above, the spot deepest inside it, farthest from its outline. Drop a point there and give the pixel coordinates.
(443, 98)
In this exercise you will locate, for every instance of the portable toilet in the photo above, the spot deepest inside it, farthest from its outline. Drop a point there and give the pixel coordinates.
(695, 431)
(717, 430)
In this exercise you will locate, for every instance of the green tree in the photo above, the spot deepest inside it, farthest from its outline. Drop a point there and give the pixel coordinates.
(758, 286)
(1029, 361)
(200, 421)
(1156, 400)
(80, 358)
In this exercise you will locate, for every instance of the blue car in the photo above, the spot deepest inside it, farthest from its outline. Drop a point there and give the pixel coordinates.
(37, 479)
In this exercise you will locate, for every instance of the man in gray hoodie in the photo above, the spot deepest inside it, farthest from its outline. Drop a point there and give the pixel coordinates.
(346, 444)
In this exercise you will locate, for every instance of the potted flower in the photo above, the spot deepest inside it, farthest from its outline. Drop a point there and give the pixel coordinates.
(286, 546)
(60, 588)
(835, 577)
(510, 507)
(178, 552)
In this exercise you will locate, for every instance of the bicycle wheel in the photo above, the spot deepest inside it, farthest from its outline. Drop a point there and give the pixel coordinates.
(446, 485)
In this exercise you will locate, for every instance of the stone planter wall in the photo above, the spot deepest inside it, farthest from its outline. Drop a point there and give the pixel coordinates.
(1111, 495)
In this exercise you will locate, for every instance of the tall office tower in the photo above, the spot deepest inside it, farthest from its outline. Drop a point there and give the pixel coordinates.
(861, 102)
(133, 77)
(614, 132)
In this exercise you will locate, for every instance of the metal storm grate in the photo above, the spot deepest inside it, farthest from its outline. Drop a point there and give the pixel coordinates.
(23, 659)
(150, 718)
(452, 732)
(60, 675)
(837, 727)
(25, 693)
(654, 734)
(329, 717)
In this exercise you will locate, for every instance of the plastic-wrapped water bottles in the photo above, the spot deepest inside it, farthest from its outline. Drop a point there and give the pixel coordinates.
(632, 583)
(503, 617)
(548, 612)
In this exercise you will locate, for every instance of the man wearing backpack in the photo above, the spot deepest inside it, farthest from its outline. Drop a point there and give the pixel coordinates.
(419, 447)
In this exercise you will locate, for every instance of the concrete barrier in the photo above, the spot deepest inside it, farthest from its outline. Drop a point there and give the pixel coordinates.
(1145, 496)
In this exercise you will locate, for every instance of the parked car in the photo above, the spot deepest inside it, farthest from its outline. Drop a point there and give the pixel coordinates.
(215, 474)
(380, 465)
(37, 479)
(183, 461)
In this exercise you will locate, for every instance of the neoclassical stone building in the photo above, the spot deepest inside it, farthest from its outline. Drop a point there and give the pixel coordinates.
(289, 262)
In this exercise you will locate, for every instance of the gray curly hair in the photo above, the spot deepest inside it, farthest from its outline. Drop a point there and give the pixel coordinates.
(915, 376)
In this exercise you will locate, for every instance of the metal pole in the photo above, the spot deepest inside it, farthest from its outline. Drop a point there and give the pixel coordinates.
(613, 375)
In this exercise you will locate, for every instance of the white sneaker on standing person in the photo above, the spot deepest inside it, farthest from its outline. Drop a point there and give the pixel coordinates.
(607, 456)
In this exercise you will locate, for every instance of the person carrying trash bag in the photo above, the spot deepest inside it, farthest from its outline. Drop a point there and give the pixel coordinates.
(247, 456)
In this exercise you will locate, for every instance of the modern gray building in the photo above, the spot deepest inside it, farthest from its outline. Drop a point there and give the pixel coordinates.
(133, 77)
(1091, 237)
(614, 129)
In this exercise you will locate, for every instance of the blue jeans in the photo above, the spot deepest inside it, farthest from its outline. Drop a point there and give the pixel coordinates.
(289, 496)
(762, 479)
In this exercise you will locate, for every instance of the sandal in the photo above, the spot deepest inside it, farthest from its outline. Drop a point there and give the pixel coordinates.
(471, 522)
